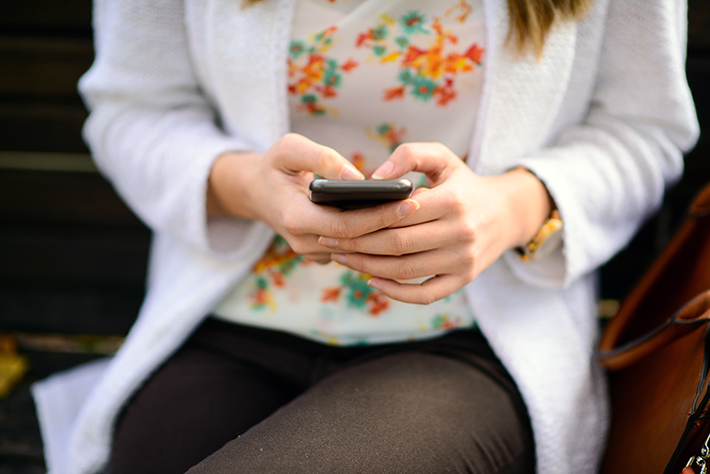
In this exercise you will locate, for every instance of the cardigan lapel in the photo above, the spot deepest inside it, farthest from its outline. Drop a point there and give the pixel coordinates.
(521, 95)
(252, 86)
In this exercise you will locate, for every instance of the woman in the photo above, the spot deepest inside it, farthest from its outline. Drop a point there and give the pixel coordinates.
(191, 105)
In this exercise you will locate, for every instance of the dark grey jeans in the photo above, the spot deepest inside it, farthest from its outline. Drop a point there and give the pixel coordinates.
(283, 404)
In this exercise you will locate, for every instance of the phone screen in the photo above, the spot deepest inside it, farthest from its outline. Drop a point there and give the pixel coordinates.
(356, 194)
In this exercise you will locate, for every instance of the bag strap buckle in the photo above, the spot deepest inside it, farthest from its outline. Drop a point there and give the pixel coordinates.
(702, 459)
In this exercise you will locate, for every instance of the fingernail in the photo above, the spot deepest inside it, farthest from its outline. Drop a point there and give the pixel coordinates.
(383, 171)
(407, 207)
(341, 258)
(373, 283)
(350, 172)
(328, 242)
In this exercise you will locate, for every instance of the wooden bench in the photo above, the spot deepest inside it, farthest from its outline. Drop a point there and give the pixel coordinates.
(73, 257)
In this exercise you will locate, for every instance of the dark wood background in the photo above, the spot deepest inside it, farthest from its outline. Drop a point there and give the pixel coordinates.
(73, 257)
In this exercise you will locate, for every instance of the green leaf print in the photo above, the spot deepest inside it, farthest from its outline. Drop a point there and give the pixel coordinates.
(412, 23)
(423, 88)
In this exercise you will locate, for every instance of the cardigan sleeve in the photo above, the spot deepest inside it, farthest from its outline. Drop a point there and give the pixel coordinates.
(609, 173)
(151, 129)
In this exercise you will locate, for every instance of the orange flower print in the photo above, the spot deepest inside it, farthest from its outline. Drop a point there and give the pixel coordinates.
(358, 161)
(312, 76)
(389, 135)
(462, 8)
(425, 72)
(445, 321)
(273, 269)
(358, 294)
(377, 303)
(330, 294)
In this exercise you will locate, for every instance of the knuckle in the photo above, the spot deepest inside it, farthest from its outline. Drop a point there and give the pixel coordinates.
(407, 271)
(426, 297)
(468, 257)
(341, 228)
(327, 161)
(454, 203)
(406, 151)
(401, 243)
(284, 143)
(457, 203)
(448, 200)
(469, 231)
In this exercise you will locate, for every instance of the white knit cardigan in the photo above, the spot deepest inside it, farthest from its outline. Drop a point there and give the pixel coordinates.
(602, 119)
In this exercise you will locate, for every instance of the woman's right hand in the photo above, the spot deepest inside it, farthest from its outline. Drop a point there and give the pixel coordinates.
(273, 188)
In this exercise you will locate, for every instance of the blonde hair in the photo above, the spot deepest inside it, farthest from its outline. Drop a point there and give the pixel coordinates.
(531, 20)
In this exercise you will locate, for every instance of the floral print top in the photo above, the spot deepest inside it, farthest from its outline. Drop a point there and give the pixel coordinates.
(363, 77)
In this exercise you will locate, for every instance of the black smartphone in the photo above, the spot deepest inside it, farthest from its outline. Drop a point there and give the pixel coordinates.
(356, 194)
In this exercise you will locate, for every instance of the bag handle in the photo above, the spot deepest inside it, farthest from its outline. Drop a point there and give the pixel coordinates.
(700, 207)
(689, 318)
(693, 316)
(644, 296)
(693, 426)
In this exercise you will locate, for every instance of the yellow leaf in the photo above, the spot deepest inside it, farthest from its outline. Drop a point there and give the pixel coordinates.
(392, 57)
(12, 369)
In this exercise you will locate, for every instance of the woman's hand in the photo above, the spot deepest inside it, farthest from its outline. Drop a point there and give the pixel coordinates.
(273, 188)
(465, 222)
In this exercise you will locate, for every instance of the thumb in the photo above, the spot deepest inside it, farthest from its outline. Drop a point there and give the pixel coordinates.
(295, 153)
(433, 159)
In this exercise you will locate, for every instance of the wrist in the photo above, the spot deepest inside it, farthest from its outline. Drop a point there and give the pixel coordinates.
(530, 204)
(231, 186)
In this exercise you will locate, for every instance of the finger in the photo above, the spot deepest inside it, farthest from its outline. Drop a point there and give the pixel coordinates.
(427, 292)
(295, 154)
(408, 267)
(319, 258)
(357, 222)
(433, 205)
(399, 241)
(433, 159)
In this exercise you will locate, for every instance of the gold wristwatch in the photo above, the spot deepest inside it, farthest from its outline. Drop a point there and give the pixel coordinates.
(545, 241)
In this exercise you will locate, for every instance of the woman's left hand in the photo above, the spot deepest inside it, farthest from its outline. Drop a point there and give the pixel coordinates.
(464, 223)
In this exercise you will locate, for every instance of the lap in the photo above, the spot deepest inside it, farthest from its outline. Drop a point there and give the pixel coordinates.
(284, 404)
(188, 409)
(405, 412)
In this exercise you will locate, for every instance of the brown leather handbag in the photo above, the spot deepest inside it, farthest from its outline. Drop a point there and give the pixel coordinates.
(657, 352)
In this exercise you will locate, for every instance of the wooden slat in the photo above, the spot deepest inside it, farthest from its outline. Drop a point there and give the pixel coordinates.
(699, 25)
(19, 437)
(43, 67)
(42, 126)
(47, 161)
(69, 309)
(698, 71)
(65, 16)
(31, 197)
(73, 255)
